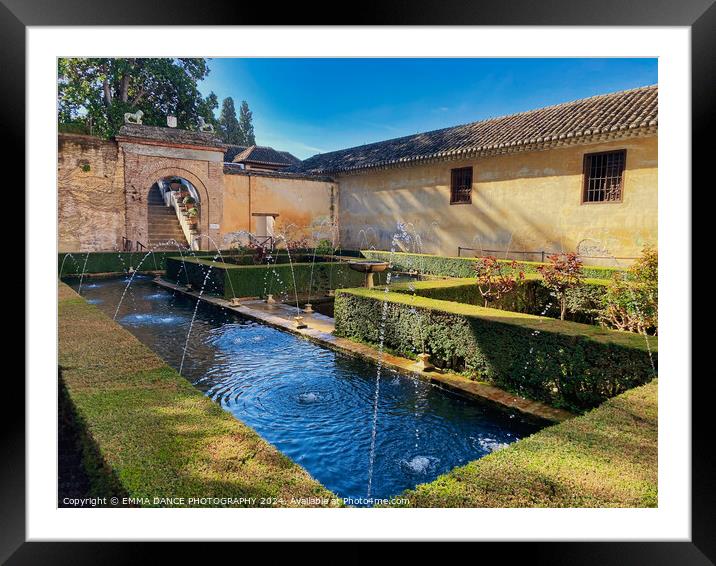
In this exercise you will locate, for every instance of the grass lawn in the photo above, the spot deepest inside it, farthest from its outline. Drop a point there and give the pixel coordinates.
(605, 458)
(149, 433)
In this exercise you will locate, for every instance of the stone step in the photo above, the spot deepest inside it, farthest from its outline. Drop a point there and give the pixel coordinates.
(162, 233)
(165, 221)
(160, 245)
(162, 236)
(163, 217)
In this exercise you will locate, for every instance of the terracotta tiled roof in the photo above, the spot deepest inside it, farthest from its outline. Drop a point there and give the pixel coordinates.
(169, 135)
(625, 110)
(237, 169)
(231, 151)
(265, 156)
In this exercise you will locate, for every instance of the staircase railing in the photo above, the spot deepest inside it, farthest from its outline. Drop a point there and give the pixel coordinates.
(191, 238)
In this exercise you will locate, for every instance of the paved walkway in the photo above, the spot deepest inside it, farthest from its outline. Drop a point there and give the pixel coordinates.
(320, 329)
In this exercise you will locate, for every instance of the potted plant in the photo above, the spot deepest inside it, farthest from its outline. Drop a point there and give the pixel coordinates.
(175, 184)
(192, 216)
(188, 202)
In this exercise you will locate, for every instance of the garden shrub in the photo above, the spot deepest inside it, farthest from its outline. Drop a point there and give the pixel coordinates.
(462, 266)
(562, 274)
(496, 279)
(631, 301)
(566, 364)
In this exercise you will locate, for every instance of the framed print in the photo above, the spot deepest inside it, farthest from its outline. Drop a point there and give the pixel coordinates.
(394, 281)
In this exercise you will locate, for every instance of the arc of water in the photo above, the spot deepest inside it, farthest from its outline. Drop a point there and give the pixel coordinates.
(220, 256)
(64, 258)
(121, 259)
(196, 308)
(322, 224)
(139, 265)
(84, 268)
(129, 283)
(381, 350)
(293, 277)
(310, 281)
(509, 244)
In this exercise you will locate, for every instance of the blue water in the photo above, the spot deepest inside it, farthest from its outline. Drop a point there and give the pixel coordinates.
(313, 404)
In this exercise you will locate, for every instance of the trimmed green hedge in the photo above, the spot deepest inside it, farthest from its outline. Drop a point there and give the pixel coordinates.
(115, 262)
(229, 280)
(530, 296)
(567, 364)
(461, 266)
(120, 262)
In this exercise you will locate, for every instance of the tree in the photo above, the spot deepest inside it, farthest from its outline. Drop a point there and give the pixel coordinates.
(228, 123)
(103, 89)
(246, 125)
(562, 273)
(495, 278)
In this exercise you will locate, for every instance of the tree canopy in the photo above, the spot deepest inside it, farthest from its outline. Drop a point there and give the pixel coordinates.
(246, 124)
(236, 131)
(102, 90)
(229, 124)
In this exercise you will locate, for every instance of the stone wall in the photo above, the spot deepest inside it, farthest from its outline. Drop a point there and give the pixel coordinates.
(305, 208)
(90, 187)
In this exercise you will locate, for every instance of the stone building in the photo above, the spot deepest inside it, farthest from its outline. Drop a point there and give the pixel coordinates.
(580, 176)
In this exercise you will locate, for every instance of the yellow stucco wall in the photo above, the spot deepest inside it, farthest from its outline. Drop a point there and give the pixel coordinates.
(521, 201)
(305, 208)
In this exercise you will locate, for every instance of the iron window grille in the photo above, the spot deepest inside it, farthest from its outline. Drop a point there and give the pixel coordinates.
(604, 176)
(461, 185)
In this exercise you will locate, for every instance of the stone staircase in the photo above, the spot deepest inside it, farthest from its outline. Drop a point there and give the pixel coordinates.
(162, 222)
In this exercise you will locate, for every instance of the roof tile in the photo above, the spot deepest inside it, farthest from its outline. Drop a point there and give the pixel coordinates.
(629, 109)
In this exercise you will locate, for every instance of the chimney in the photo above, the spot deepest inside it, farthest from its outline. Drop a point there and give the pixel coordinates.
(172, 121)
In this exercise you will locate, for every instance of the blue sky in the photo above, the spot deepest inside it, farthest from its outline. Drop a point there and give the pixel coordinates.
(309, 106)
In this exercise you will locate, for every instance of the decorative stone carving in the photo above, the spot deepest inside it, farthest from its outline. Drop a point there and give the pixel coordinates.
(133, 118)
(204, 127)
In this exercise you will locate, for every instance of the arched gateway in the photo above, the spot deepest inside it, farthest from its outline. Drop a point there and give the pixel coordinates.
(161, 167)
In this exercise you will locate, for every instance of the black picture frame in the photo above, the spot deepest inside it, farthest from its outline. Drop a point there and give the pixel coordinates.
(699, 15)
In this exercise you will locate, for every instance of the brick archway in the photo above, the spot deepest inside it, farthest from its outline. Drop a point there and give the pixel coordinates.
(204, 201)
(147, 162)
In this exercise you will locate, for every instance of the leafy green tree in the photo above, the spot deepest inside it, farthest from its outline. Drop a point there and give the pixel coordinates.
(103, 89)
(246, 125)
(229, 124)
(631, 301)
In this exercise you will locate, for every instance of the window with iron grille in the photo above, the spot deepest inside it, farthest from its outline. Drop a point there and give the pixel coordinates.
(604, 176)
(461, 185)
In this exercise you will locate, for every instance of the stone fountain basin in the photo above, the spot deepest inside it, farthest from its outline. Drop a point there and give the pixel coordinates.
(368, 266)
